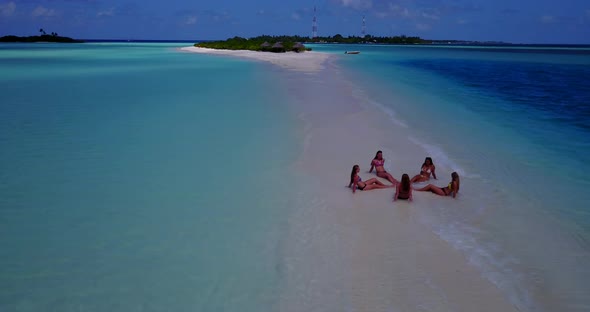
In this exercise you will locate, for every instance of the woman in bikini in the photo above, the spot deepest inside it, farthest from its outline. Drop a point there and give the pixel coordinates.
(378, 162)
(425, 171)
(451, 189)
(403, 190)
(357, 183)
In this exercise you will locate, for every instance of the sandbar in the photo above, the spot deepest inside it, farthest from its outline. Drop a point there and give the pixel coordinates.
(362, 252)
(308, 61)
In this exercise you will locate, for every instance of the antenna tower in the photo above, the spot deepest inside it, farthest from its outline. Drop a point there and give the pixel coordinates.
(364, 28)
(314, 25)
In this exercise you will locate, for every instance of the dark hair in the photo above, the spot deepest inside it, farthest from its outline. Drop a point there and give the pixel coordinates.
(377, 154)
(405, 182)
(427, 159)
(455, 178)
(353, 173)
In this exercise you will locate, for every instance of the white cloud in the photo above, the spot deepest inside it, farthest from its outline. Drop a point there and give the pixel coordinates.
(547, 19)
(430, 16)
(356, 4)
(191, 20)
(7, 9)
(381, 14)
(220, 16)
(395, 11)
(433, 15)
(422, 16)
(296, 16)
(393, 7)
(421, 26)
(41, 11)
(109, 12)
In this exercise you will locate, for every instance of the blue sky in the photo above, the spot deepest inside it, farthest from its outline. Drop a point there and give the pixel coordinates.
(517, 21)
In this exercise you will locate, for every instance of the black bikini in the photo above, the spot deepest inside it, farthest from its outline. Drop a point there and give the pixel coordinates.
(358, 186)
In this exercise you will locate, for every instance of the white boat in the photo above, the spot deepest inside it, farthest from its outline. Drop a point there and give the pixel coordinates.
(352, 52)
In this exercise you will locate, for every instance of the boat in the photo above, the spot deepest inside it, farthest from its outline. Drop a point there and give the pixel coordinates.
(352, 52)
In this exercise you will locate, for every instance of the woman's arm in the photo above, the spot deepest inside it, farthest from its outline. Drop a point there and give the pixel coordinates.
(396, 191)
(433, 173)
(372, 165)
(354, 186)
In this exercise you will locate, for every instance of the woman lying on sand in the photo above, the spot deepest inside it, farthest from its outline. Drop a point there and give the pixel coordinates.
(378, 162)
(403, 190)
(425, 171)
(356, 182)
(451, 189)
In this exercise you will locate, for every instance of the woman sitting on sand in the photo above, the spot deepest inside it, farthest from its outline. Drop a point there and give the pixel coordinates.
(451, 189)
(378, 162)
(403, 190)
(425, 171)
(357, 182)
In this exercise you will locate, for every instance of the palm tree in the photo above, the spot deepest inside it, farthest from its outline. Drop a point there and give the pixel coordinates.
(42, 31)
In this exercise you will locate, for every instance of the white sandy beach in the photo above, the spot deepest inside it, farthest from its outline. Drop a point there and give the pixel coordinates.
(362, 252)
(307, 61)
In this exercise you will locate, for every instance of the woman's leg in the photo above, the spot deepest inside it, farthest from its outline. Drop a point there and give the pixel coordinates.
(418, 178)
(376, 186)
(387, 176)
(374, 181)
(432, 188)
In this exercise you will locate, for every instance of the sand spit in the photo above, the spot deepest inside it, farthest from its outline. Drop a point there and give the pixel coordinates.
(307, 62)
(362, 252)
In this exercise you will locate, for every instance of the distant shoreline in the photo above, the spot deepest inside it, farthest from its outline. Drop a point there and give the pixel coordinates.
(43, 38)
(457, 43)
(306, 62)
(435, 43)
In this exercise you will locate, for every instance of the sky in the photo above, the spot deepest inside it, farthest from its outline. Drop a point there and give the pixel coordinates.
(515, 21)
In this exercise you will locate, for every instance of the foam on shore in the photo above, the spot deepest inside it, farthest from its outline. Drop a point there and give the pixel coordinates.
(307, 61)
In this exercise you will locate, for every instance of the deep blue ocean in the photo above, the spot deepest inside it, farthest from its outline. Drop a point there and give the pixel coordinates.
(135, 177)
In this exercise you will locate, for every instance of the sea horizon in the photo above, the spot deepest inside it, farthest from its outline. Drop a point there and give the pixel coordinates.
(440, 42)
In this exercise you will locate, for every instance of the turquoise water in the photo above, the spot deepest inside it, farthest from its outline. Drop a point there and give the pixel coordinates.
(135, 177)
(514, 122)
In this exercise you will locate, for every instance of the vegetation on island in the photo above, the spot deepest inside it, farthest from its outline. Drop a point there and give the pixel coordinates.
(368, 39)
(295, 43)
(43, 37)
(261, 43)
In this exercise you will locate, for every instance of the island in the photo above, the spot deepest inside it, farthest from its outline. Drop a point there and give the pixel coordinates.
(43, 37)
(295, 43)
(260, 43)
(267, 43)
